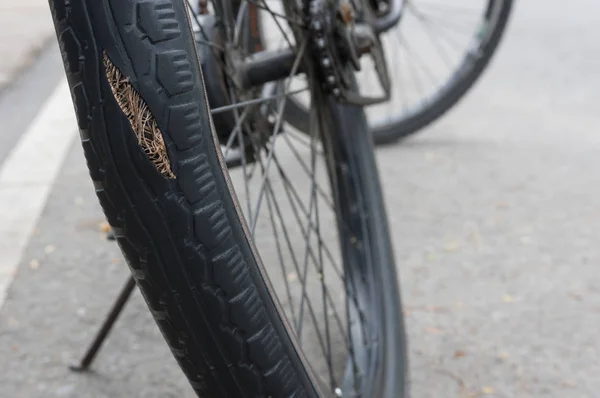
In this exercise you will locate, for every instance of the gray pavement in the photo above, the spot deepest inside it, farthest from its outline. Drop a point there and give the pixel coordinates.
(53, 308)
(495, 221)
(26, 30)
(18, 104)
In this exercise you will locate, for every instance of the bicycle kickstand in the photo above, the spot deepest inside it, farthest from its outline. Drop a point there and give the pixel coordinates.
(106, 327)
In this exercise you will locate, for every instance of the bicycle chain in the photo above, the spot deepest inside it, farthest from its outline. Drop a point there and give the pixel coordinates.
(334, 49)
(322, 34)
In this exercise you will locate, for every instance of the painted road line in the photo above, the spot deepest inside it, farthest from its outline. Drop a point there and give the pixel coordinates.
(27, 176)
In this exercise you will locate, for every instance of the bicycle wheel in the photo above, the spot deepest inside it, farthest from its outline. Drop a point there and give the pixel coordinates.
(288, 291)
(436, 53)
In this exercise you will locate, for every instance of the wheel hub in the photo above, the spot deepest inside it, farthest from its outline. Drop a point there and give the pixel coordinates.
(340, 35)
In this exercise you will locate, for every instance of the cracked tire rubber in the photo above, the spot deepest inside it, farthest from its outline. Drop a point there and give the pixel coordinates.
(183, 238)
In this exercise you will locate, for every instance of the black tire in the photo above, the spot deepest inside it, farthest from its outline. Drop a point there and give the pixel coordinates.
(180, 227)
(443, 101)
(453, 93)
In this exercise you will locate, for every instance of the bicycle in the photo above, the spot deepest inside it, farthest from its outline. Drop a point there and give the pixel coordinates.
(440, 51)
(158, 138)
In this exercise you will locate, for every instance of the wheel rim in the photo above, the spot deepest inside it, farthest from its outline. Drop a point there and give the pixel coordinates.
(437, 44)
(282, 183)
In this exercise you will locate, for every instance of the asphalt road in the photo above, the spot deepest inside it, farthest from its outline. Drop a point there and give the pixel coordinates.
(495, 222)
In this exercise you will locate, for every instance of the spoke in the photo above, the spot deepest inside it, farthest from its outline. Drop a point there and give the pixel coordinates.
(276, 128)
(296, 265)
(245, 173)
(266, 7)
(444, 23)
(299, 138)
(324, 341)
(416, 80)
(236, 128)
(239, 24)
(325, 293)
(411, 67)
(279, 254)
(311, 206)
(294, 259)
(272, 104)
(305, 263)
(225, 19)
(423, 64)
(243, 156)
(305, 168)
(311, 310)
(350, 281)
(208, 42)
(276, 14)
(403, 93)
(449, 26)
(292, 197)
(296, 199)
(256, 101)
(436, 42)
(442, 8)
(201, 28)
(298, 157)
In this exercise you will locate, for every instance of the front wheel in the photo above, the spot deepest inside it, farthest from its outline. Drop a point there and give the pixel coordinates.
(273, 279)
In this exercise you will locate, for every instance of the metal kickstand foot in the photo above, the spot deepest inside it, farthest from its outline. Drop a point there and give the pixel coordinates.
(106, 327)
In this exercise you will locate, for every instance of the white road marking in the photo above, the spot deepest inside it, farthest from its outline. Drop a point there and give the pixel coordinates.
(27, 176)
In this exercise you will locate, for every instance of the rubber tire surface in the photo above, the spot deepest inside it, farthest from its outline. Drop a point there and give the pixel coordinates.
(183, 238)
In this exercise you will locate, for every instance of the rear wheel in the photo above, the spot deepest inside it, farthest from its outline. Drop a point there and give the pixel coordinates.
(435, 54)
(275, 278)
(442, 49)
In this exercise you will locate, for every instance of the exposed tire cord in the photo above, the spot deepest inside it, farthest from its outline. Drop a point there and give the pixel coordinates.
(182, 237)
